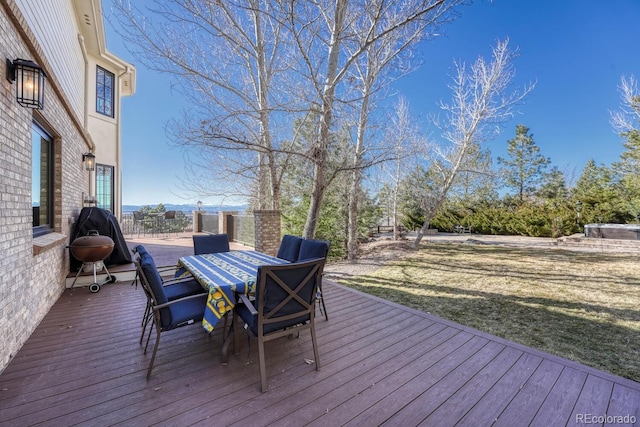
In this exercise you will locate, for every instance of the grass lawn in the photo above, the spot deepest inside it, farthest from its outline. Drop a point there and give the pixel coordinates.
(581, 306)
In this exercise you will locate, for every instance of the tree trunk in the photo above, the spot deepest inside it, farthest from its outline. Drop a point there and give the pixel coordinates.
(356, 178)
(319, 154)
(315, 204)
(396, 235)
(352, 242)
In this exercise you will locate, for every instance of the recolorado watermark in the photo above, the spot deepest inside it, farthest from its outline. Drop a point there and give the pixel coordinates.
(605, 419)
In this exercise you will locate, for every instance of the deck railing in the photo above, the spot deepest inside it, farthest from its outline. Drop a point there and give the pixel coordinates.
(210, 223)
(239, 227)
(243, 227)
(155, 223)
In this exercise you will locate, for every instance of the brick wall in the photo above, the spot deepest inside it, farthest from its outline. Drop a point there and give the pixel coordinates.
(267, 231)
(32, 270)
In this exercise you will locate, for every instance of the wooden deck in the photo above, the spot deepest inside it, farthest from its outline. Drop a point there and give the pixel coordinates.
(381, 364)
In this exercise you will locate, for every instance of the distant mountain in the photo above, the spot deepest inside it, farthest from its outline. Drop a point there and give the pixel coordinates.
(188, 208)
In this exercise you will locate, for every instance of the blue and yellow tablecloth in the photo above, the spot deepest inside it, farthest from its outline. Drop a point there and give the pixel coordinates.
(224, 274)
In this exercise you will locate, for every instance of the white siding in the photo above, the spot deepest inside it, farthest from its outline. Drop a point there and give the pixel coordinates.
(54, 25)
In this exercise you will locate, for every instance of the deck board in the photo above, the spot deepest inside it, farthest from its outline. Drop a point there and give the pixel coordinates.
(459, 403)
(524, 407)
(381, 363)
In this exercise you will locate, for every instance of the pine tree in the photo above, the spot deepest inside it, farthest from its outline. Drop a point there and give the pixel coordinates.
(554, 185)
(525, 168)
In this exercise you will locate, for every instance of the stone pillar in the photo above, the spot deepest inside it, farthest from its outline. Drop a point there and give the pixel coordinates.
(267, 231)
(224, 221)
(197, 221)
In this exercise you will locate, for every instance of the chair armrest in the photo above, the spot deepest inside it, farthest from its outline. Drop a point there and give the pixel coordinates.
(246, 301)
(169, 280)
(174, 280)
(175, 301)
(167, 268)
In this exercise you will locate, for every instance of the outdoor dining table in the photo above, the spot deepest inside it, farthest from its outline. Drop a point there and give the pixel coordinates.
(224, 274)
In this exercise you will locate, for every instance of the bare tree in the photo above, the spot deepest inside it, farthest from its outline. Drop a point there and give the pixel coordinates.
(482, 100)
(253, 69)
(626, 121)
(403, 137)
(623, 119)
(383, 62)
(351, 32)
(230, 60)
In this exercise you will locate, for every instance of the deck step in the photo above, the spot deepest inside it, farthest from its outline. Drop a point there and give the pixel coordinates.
(616, 245)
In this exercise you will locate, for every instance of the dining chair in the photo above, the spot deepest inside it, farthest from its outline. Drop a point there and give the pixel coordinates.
(174, 288)
(289, 247)
(168, 222)
(140, 223)
(284, 303)
(166, 314)
(210, 243)
(310, 249)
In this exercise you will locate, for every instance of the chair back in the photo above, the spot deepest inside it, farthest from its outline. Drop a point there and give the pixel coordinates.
(152, 282)
(310, 249)
(289, 247)
(137, 216)
(170, 215)
(285, 294)
(210, 243)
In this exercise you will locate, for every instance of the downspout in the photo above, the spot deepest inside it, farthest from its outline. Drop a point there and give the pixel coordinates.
(118, 183)
(85, 124)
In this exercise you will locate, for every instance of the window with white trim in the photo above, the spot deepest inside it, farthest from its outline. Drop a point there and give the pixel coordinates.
(104, 187)
(104, 91)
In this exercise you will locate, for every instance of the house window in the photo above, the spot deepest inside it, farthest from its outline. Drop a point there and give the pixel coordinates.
(41, 180)
(104, 187)
(104, 92)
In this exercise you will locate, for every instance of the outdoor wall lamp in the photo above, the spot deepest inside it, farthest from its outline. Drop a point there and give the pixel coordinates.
(30, 82)
(199, 205)
(89, 160)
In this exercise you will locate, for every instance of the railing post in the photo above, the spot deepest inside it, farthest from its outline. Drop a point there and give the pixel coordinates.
(267, 231)
(224, 219)
(197, 221)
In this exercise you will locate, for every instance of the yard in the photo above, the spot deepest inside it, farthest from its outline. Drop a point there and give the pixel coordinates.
(578, 305)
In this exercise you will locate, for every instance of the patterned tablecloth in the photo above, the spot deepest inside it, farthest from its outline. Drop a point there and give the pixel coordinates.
(224, 274)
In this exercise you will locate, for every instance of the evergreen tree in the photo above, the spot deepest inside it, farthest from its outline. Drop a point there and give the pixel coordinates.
(627, 174)
(600, 195)
(525, 167)
(554, 185)
(595, 185)
(629, 163)
(627, 171)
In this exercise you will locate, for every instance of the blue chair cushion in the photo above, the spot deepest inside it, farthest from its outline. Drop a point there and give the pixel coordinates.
(245, 314)
(173, 290)
(289, 248)
(153, 277)
(183, 312)
(155, 282)
(186, 312)
(183, 288)
(210, 244)
(141, 250)
(252, 321)
(311, 249)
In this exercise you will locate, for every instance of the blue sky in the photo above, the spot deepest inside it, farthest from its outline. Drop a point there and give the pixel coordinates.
(575, 50)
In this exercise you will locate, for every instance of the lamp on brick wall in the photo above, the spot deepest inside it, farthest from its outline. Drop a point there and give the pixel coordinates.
(89, 160)
(30, 82)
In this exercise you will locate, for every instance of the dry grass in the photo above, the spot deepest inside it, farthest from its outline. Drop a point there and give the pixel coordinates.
(581, 306)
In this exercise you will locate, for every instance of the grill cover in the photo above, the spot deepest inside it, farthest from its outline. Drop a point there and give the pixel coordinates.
(106, 224)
